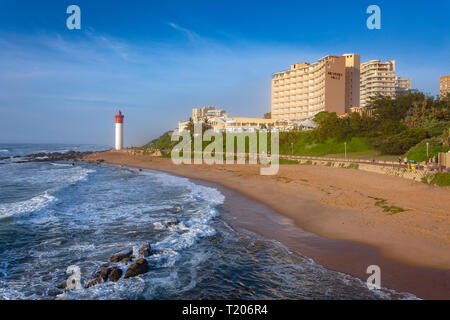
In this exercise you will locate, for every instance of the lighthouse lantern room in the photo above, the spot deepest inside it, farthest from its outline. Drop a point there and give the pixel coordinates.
(119, 130)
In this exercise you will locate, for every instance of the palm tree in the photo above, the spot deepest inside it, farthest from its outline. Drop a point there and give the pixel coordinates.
(190, 126)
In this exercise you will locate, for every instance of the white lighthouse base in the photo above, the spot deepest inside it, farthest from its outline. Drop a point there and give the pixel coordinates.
(119, 136)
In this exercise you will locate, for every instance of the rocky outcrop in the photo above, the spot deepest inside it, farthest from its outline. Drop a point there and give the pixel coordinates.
(56, 156)
(49, 157)
(145, 250)
(172, 223)
(116, 273)
(139, 267)
(122, 255)
(62, 285)
(126, 260)
(100, 276)
(111, 272)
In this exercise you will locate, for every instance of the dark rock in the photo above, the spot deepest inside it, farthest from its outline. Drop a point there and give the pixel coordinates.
(172, 223)
(104, 273)
(100, 276)
(121, 255)
(139, 267)
(55, 156)
(126, 260)
(62, 285)
(145, 250)
(214, 239)
(116, 273)
(94, 282)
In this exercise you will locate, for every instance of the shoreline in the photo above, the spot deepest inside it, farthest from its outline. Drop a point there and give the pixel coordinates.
(333, 250)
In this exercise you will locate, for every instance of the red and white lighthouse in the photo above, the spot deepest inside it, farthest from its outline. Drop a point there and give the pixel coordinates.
(119, 130)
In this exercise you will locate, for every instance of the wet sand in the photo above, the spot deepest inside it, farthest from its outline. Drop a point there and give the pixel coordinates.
(307, 209)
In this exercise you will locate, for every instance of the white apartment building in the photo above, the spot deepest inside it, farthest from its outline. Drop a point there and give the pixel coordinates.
(377, 78)
(402, 85)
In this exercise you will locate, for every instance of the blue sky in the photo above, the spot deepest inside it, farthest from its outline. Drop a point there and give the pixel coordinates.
(156, 60)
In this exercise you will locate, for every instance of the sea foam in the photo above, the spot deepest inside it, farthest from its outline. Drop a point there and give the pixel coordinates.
(33, 204)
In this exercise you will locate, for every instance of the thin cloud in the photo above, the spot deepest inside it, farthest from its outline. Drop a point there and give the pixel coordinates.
(190, 34)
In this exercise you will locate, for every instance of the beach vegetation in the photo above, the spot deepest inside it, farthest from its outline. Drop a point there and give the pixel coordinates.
(390, 210)
(162, 143)
(392, 126)
(441, 179)
(352, 166)
(288, 161)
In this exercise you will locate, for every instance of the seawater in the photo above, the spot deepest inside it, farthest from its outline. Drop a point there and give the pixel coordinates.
(55, 215)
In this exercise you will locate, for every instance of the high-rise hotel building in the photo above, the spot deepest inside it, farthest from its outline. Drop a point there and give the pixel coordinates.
(307, 89)
(444, 86)
(378, 78)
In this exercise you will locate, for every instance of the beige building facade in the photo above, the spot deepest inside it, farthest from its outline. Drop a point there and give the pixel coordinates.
(444, 86)
(307, 89)
(377, 78)
(402, 85)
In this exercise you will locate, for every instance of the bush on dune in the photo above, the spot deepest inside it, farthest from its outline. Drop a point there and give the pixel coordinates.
(419, 151)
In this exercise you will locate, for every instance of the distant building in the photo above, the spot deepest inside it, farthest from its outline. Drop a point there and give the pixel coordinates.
(377, 78)
(402, 85)
(210, 114)
(252, 125)
(225, 124)
(199, 114)
(307, 89)
(444, 86)
(182, 125)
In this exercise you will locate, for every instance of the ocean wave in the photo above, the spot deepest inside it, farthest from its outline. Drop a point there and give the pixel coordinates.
(60, 164)
(4, 150)
(197, 225)
(197, 191)
(61, 175)
(33, 204)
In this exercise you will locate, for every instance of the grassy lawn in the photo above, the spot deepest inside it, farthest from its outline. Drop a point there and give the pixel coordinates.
(419, 151)
(357, 148)
(303, 145)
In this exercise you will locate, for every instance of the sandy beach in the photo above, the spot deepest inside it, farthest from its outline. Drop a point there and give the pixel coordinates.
(333, 215)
